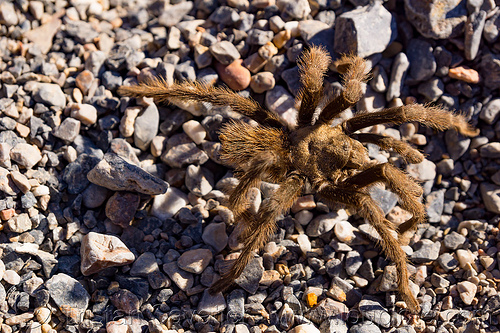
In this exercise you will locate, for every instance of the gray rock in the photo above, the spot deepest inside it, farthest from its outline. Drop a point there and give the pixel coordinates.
(353, 261)
(454, 240)
(372, 309)
(236, 306)
(422, 62)
(69, 295)
(473, 32)
(184, 154)
(25, 155)
(400, 66)
(490, 70)
(438, 20)
(210, 305)
(292, 79)
(386, 200)
(225, 52)
(195, 261)
(333, 325)
(68, 130)
(317, 33)
(116, 174)
(144, 265)
(199, 180)
(251, 275)
(427, 251)
(490, 113)
(49, 94)
(215, 235)
(434, 206)
(432, 89)
(447, 262)
(491, 197)
(225, 15)
(365, 30)
(295, 10)
(365, 327)
(146, 126)
(492, 28)
(456, 144)
(8, 15)
(490, 150)
(174, 13)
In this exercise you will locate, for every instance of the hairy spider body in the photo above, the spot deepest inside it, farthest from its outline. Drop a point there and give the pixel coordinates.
(332, 159)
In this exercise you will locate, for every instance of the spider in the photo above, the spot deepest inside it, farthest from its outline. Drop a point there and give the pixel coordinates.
(332, 159)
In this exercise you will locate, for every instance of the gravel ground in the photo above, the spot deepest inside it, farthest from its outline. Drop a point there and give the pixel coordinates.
(113, 210)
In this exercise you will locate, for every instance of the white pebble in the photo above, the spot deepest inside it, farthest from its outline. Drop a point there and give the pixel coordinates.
(467, 291)
(465, 257)
(86, 113)
(195, 131)
(304, 243)
(344, 231)
(11, 277)
(41, 190)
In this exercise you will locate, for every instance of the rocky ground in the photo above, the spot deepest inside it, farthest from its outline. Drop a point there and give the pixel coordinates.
(113, 210)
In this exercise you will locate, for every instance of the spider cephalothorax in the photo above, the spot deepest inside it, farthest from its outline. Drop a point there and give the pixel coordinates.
(332, 159)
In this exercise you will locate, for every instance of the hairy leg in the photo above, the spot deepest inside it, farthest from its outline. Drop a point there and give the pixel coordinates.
(262, 227)
(407, 152)
(369, 210)
(313, 65)
(432, 116)
(408, 191)
(353, 70)
(200, 92)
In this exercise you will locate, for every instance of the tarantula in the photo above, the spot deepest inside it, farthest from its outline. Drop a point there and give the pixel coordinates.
(332, 159)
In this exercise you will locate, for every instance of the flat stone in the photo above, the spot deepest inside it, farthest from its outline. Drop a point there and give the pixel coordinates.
(211, 304)
(372, 309)
(68, 130)
(195, 261)
(146, 126)
(49, 94)
(184, 280)
(26, 155)
(115, 173)
(166, 205)
(125, 301)
(251, 276)
(121, 208)
(69, 295)
(100, 251)
(144, 265)
(215, 235)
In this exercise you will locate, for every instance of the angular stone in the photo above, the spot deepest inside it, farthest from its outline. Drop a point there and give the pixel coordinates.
(116, 174)
(195, 261)
(69, 295)
(100, 251)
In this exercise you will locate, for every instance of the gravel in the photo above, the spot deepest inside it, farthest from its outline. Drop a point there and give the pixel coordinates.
(114, 210)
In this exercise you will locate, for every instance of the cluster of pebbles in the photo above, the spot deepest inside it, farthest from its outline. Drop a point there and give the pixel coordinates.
(114, 211)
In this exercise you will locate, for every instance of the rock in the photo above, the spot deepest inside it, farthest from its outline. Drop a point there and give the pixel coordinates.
(144, 265)
(438, 20)
(127, 324)
(335, 324)
(100, 251)
(210, 305)
(181, 278)
(327, 308)
(85, 113)
(365, 30)
(224, 52)
(121, 208)
(116, 174)
(317, 33)
(49, 94)
(295, 10)
(11, 277)
(344, 231)
(199, 180)
(251, 276)
(447, 262)
(422, 62)
(490, 70)
(25, 155)
(43, 35)
(234, 75)
(489, 150)
(423, 171)
(262, 82)
(195, 261)
(434, 206)
(473, 31)
(372, 309)
(8, 15)
(304, 328)
(146, 126)
(432, 89)
(453, 240)
(467, 291)
(195, 131)
(365, 327)
(215, 235)
(490, 113)
(491, 28)
(465, 74)
(68, 130)
(125, 301)
(183, 154)
(427, 251)
(491, 197)
(465, 257)
(324, 223)
(167, 204)
(399, 67)
(19, 223)
(69, 295)
(173, 14)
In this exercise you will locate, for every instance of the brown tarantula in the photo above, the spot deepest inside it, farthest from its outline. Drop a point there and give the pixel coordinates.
(331, 158)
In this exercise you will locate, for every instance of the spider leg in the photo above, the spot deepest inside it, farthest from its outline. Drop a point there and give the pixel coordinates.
(262, 227)
(409, 154)
(313, 65)
(408, 191)
(430, 116)
(257, 168)
(200, 92)
(369, 210)
(353, 69)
